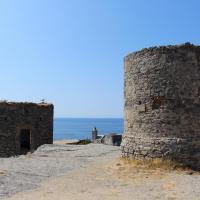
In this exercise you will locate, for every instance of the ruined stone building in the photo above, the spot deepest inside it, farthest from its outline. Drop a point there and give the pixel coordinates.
(162, 104)
(108, 139)
(24, 127)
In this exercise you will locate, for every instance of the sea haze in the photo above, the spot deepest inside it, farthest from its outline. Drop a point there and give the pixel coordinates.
(81, 128)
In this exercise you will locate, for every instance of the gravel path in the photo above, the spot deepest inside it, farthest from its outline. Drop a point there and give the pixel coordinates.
(90, 172)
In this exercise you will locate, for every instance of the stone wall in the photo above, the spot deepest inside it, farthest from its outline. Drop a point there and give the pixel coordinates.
(15, 117)
(162, 104)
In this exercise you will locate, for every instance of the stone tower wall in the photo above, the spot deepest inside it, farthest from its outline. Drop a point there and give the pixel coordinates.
(162, 104)
(14, 117)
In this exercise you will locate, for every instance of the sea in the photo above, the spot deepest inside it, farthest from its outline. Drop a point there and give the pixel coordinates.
(81, 128)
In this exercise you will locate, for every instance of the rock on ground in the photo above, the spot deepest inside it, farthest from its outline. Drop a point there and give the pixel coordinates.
(91, 172)
(26, 172)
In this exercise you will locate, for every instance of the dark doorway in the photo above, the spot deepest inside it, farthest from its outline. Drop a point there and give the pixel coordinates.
(25, 141)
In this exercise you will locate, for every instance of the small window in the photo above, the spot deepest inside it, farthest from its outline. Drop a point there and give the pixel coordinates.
(157, 102)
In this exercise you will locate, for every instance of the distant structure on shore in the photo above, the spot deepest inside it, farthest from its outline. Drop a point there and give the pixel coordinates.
(110, 139)
(24, 127)
(162, 104)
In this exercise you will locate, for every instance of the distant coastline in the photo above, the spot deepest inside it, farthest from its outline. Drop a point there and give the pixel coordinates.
(80, 128)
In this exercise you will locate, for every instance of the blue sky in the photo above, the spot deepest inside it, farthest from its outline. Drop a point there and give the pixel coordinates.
(70, 52)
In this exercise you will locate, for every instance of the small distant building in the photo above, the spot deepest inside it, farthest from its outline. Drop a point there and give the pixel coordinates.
(24, 127)
(108, 139)
(94, 134)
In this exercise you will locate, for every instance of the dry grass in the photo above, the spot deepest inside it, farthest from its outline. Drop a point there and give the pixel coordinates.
(132, 169)
(152, 164)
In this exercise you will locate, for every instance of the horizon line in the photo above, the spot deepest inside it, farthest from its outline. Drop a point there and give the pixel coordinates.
(89, 117)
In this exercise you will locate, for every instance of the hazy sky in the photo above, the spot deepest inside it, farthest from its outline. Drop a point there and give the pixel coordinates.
(70, 52)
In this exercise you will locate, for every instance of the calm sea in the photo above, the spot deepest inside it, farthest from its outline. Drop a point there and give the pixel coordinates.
(81, 128)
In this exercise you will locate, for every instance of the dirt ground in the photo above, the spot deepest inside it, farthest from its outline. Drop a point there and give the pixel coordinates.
(92, 172)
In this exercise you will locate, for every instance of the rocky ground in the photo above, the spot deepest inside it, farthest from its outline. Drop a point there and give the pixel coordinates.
(93, 172)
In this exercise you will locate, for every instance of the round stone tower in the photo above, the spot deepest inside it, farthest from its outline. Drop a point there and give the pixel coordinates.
(162, 104)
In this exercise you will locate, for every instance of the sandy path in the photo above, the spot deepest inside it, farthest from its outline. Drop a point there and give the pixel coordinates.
(64, 142)
(90, 172)
(114, 180)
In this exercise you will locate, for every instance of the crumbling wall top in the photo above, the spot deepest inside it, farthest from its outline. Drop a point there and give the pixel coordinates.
(163, 49)
(12, 103)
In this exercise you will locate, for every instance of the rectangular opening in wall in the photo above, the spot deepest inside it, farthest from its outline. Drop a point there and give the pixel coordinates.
(157, 102)
(25, 141)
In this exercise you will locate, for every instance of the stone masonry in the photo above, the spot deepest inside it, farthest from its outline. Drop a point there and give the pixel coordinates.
(24, 127)
(113, 139)
(162, 104)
